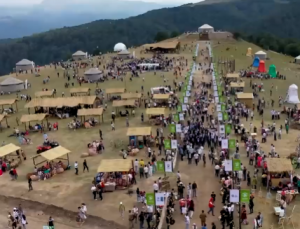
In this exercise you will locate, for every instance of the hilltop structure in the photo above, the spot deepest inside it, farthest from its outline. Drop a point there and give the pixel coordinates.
(11, 84)
(119, 47)
(93, 74)
(79, 55)
(24, 65)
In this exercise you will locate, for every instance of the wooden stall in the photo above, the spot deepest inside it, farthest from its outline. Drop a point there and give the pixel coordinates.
(129, 103)
(43, 94)
(10, 153)
(114, 91)
(114, 173)
(9, 102)
(2, 117)
(81, 91)
(245, 98)
(156, 111)
(57, 153)
(90, 112)
(32, 118)
(134, 132)
(237, 87)
(136, 96)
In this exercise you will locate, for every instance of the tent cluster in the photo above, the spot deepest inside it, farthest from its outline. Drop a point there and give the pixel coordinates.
(259, 63)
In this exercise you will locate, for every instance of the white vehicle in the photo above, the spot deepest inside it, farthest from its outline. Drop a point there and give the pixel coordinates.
(161, 90)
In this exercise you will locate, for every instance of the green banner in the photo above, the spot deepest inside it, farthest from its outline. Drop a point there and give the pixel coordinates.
(181, 99)
(219, 93)
(227, 128)
(167, 143)
(183, 94)
(225, 116)
(236, 164)
(223, 107)
(150, 199)
(172, 128)
(244, 195)
(160, 166)
(179, 108)
(231, 143)
(176, 117)
(219, 88)
(221, 99)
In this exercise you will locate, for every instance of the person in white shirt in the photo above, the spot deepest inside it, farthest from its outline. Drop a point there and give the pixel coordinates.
(217, 170)
(187, 221)
(178, 175)
(136, 166)
(149, 152)
(146, 170)
(196, 156)
(155, 187)
(76, 167)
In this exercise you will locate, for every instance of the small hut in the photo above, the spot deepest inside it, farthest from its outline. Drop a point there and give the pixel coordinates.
(24, 65)
(79, 55)
(93, 74)
(261, 55)
(11, 84)
(206, 29)
(297, 60)
(124, 53)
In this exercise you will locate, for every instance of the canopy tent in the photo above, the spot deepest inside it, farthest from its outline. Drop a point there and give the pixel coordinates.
(90, 112)
(278, 165)
(131, 96)
(122, 103)
(256, 62)
(232, 75)
(41, 94)
(119, 47)
(11, 84)
(272, 71)
(3, 116)
(156, 111)
(33, 118)
(8, 149)
(246, 98)
(161, 96)
(297, 60)
(124, 53)
(111, 91)
(139, 131)
(292, 95)
(249, 52)
(237, 84)
(53, 154)
(262, 67)
(93, 74)
(261, 55)
(114, 165)
(24, 65)
(206, 29)
(10, 102)
(79, 55)
(80, 91)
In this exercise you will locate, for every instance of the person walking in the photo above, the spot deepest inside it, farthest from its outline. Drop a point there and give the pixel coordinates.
(100, 133)
(187, 221)
(211, 206)
(94, 191)
(141, 219)
(194, 189)
(251, 204)
(24, 221)
(51, 223)
(30, 184)
(122, 209)
(85, 166)
(76, 167)
(203, 218)
(131, 219)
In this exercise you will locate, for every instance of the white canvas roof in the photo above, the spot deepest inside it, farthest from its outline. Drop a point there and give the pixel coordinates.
(124, 52)
(11, 81)
(93, 71)
(79, 53)
(260, 53)
(206, 26)
(24, 62)
(298, 57)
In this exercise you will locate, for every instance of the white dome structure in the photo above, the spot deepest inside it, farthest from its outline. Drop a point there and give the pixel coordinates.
(206, 29)
(79, 55)
(297, 60)
(119, 47)
(12, 84)
(261, 55)
(292, 95)
(93, 74)
(24, 65)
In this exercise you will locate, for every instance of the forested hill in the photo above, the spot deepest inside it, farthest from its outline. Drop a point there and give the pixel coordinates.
(279, 17)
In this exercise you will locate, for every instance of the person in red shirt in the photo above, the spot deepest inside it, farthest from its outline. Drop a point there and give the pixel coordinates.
(15, 173)
(211, 206)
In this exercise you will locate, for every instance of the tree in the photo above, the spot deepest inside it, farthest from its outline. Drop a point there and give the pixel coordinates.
(236, 35)
(160, 36)
(174, 34)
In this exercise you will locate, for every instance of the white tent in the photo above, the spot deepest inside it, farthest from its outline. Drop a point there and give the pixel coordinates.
(124, 53)
(11, 84)
(93, 74)
(119, 47)
(297, 60)
(79, 55)
(206, 29)
(24, 65)
(261, 55)
(292, 95)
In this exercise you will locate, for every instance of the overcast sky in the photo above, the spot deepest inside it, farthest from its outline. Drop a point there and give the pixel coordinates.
(29, 2)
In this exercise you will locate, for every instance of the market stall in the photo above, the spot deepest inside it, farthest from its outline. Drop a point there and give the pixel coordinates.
(161, 100)
(156, 113)
(42, 94)
(245, 98)
(135, 132)
(10, 155)
(2, 117)
(237, 87)
(9, 102)
(50, 163)
(129, 103)
(114, 91)
(33, 118)
(136, 96)
(90, 112)
(114, 174)
(232, 77)
(81, 91)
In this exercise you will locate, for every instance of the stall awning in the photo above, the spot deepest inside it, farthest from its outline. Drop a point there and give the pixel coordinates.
(90, 112)
(32, 117)
(80, 90)
(139, 131)
(43, 93)
(2, 116)
(278, 165)
(122, 103)
(114, 165)
(156, 111)
(131, 96)
(233, 75)
(8, 149)
(161, 96)
(245, 96)
(54, 153)
(237, 85)
(114, 90)
(7, 101)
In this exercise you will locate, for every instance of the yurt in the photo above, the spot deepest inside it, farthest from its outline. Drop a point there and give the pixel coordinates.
(261, 55)
(262, 66)
(119, 47)
(249, 52)
(297, 60)
(93, 74)
(272, 71)
(206, 29)
(11, 84)
(124, 53)
(24, 65)
(256, 62)
(79, 55)
(292, 95)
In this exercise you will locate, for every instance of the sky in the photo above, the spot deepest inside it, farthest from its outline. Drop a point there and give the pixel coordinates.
(30, 2)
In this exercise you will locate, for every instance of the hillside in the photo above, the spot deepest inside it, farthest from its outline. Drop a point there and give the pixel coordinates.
(247, 16)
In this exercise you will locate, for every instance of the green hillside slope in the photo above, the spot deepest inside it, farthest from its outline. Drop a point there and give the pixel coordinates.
(246, 16)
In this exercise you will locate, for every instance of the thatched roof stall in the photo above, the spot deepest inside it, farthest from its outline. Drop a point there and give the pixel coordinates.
(164, 45)
(7, 150)
(33, 118)
(90, 112)
(53, 154)
(246, 98)
(131, 96)
(80, 91)
(161, 96)
(232, 75)
(3, 116)
(129, 103)
(112, 91)
(41, 94)
(10, 102)
(279, 165)
(237, 85)
(139, 131)
(114, 165)
(156, 111)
